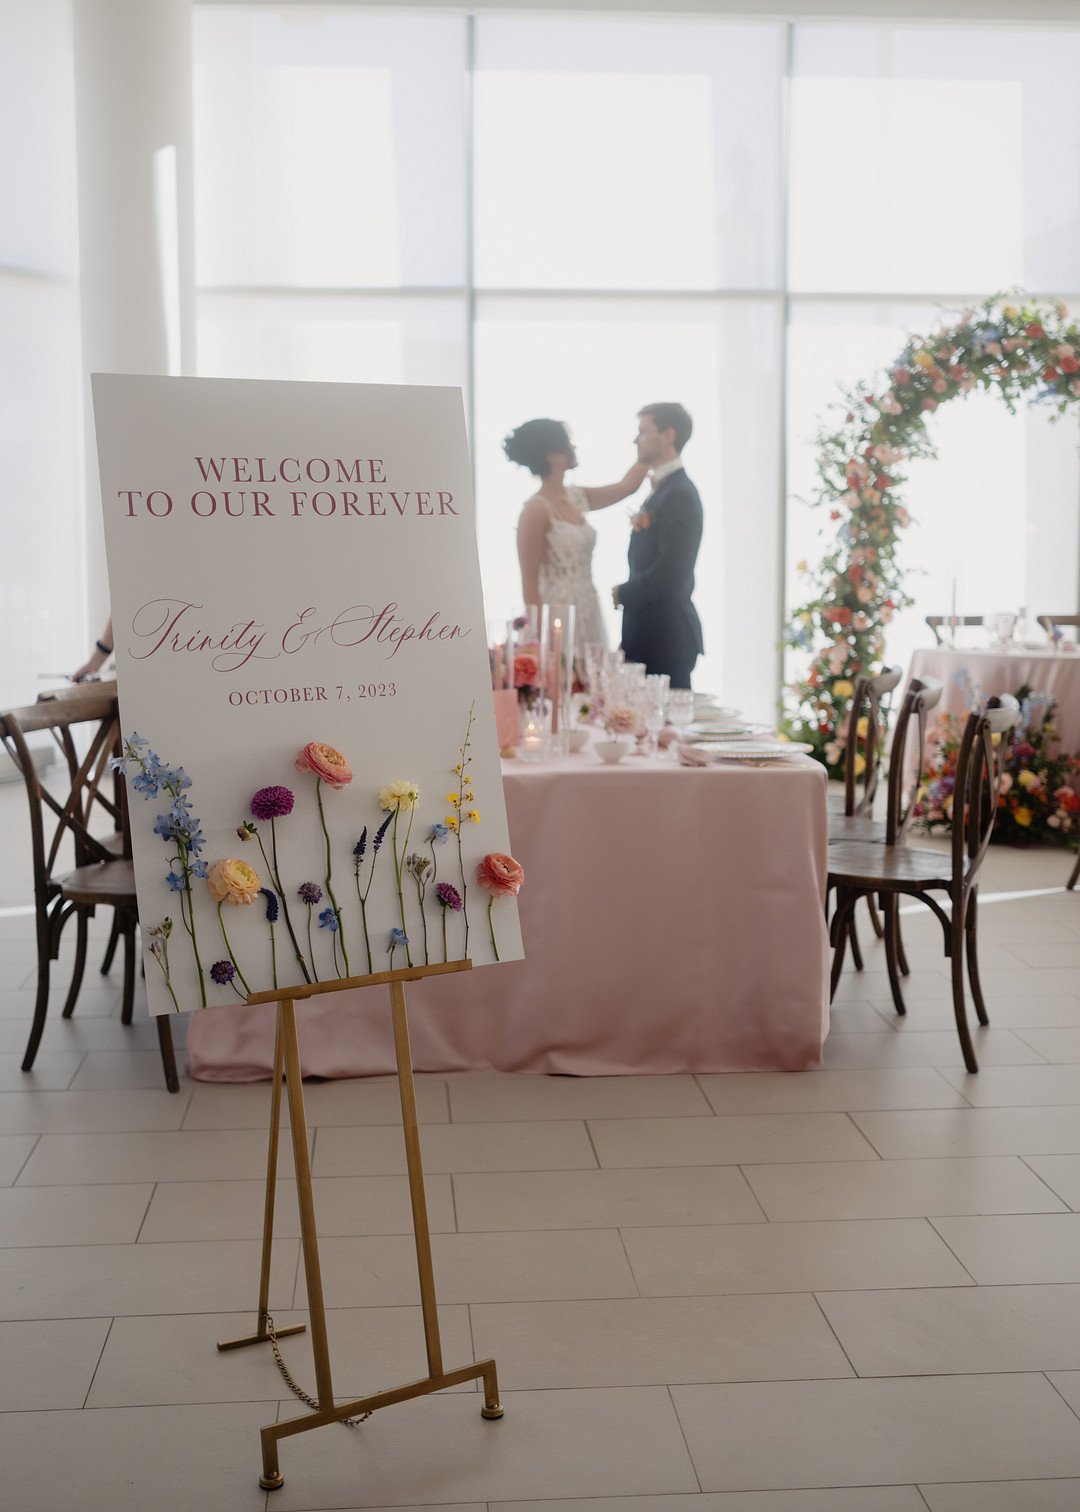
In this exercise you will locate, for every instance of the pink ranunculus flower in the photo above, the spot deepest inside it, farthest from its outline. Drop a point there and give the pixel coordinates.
(326, 763)
(1006, 782)
(500, 875)
(526, 669)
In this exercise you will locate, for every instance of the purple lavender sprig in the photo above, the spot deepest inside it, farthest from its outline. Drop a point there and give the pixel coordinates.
(273, 910)
(359, 852)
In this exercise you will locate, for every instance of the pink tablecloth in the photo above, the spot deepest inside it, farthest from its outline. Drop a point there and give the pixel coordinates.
(673, 921)
(1053, 672)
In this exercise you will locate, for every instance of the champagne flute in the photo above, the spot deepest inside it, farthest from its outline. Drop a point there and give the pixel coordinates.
(654, 700)
(680, 711)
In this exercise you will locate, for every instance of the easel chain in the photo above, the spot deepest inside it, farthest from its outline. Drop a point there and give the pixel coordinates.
(292, 1385)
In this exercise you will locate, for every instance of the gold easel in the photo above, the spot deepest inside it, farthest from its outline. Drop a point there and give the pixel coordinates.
(287, 1064)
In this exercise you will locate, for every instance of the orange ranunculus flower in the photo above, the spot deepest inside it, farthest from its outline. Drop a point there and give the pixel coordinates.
(233, 881)
(326, 763)
(500, 875)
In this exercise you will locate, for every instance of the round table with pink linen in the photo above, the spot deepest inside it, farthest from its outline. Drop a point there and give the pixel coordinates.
(963, 673)
(673, 920)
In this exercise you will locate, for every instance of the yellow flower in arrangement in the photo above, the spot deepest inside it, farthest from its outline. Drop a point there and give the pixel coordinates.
(862, 727)
(860, 763)
(474, 815)
(233, 881)
(457, 769)
(923, 360)
(844, 688)
(1029, 780)
(1022, 815)
(398, 795)
(454, 799)
(451, 821)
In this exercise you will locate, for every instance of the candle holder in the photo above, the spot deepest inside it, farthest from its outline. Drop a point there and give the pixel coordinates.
(557, 626)
(500, 637)
(529, 681)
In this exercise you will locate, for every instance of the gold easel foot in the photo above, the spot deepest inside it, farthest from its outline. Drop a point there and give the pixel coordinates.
(272, 1482)
(494, 1411)
(271, 1478)
(261, 1338)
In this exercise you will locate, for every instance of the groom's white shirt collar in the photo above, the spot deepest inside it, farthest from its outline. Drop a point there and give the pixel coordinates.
(665, 470)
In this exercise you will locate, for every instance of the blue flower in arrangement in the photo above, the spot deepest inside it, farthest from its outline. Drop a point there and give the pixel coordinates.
(439, 834)
(273, 904)
(309, 893)
(398, 937)
(175, 880)
(222, 972)
(381, 831)
(328, 919)
(360, 847)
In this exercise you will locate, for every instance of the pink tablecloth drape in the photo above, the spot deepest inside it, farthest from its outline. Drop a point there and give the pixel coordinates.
(1053, 672)
(673, 921)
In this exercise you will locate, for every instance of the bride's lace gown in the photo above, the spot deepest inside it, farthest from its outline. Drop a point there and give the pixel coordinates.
(566, 570)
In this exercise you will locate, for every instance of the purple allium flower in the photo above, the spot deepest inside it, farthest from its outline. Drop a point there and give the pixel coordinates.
(222, 972)
(273, 905)
(310, 893)
(448, 896)
(328, 919)
(272, 803)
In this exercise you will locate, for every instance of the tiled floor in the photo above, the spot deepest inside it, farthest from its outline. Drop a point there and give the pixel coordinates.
(854, 1290)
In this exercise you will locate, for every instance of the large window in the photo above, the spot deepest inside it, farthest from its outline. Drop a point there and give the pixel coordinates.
(42, 545)
(574, 216)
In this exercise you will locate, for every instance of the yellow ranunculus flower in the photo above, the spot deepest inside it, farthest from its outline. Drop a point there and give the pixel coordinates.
(1028, 780)
(862, 727)
(233, 881)
(398, 795)
(923, 360)
(1022, 816)
(844, 688)
(1010, 312)
(860, 763)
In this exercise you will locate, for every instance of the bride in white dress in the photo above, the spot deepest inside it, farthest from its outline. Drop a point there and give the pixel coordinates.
(554, 538)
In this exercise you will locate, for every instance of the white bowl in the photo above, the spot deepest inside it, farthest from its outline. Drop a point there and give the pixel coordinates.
(576, 739)
(611, 751)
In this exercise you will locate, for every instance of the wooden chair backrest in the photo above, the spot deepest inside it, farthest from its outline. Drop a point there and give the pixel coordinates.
(980, 765)
(870, 701)
(937, 622)
(90, 795)
(1048, 621)
(921, 698)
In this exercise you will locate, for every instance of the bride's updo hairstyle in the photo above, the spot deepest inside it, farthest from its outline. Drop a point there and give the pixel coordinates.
(532, 443)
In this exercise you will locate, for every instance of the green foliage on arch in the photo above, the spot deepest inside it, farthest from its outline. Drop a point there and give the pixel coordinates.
(1018, 348)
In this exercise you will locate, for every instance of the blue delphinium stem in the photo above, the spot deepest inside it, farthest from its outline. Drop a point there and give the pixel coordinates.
(329, 884)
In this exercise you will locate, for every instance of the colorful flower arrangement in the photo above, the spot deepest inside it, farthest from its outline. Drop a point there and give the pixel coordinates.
(234, 886)
(1036, 803)
(1014, 346)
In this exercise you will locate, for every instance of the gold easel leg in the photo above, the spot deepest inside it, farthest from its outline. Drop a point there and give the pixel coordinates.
(261, 1335)
(416, 1179)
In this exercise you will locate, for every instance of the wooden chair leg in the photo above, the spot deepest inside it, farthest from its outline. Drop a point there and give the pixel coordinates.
(1075, 877)
(844, 909)
(127, 1006)
(875, 918)
(168, 1054)
(901, 958)
(892, 939)
(853, 936)
(80, 964)
(971, 931)
(110, 948)
(959, 1005)
(41, 1008)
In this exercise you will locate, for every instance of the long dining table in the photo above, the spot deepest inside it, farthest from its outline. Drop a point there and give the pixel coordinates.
(673, 920)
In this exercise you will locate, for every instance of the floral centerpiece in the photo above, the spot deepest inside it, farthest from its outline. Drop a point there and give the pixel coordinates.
(1017, 347)
(1036, 803)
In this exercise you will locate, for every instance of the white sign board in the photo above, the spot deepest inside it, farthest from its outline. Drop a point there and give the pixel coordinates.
(293, 569)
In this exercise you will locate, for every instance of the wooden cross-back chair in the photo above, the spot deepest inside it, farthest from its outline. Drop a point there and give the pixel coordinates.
(894, 870)
(76, 868)
(938, 622)
(867, 727)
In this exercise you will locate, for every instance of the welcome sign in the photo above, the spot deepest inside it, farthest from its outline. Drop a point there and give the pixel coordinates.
(313, 779)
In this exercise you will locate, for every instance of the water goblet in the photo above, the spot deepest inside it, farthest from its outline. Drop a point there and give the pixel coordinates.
(680, 712)
(654, 704)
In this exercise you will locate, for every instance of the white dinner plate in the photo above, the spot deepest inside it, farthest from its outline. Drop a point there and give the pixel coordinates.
(749, 750)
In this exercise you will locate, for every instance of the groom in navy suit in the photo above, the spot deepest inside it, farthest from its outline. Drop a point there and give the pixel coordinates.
(660, 624)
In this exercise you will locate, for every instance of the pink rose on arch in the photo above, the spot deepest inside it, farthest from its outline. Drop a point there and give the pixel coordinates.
(325, 762)
(526, 669)
(929, 404)
(500, 875)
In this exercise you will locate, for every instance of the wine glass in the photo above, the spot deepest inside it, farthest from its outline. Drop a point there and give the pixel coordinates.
(680, 711)
(654, 706)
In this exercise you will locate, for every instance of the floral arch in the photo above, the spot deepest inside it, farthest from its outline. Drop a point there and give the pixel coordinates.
(1017, 347)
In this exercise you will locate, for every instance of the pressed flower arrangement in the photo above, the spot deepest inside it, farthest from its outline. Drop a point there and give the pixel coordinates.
(396, 901)
(1016, 347)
